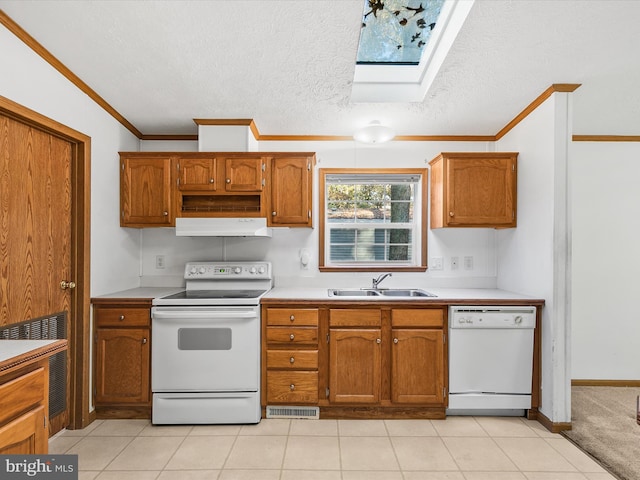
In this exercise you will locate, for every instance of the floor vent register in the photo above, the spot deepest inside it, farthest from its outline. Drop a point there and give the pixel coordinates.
(310, 413)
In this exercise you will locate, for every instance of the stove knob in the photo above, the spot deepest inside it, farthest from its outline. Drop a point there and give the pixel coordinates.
(518, 319)
(202, 270)
(237, 270)
(252, 270)
(193, 270)
(261, 269)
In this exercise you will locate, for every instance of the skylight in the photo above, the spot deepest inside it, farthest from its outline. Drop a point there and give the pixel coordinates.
(403, 44)
(396, 31)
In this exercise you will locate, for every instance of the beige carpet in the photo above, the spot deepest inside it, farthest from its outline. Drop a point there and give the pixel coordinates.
(604, 425)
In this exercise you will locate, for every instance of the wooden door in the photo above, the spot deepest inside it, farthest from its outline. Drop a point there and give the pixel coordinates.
(354, 365)
(122, 361)
(44, 237)
(145, 192)
(417, 366)
(481, 191)
(291, 191)
(35, 213)
(197, 174)
(244, 174)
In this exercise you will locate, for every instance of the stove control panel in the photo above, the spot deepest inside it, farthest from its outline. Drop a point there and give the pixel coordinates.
(231, 270)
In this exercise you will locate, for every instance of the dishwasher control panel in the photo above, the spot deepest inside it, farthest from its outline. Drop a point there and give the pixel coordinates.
(492, 317)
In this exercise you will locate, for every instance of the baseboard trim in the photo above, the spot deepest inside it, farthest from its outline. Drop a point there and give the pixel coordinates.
(604, 383)
(553, 427)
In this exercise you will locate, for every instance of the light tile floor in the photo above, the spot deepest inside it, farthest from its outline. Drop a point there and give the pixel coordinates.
(458, 448)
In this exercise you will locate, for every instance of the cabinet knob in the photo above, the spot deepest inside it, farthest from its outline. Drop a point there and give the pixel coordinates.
(70, 285)
(144, 341)
(273, 213)
(378, 340)
(451, 214)
(292, 387)
(292, 318)
(166, 214)
(211, 180)
(292, 336)
(228, 180)
(395, 340)
(121, 318)
(291, 360)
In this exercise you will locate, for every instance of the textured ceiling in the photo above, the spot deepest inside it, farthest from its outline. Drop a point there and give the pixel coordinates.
(289, 64)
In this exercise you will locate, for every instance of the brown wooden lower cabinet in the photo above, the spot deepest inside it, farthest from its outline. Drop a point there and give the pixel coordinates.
(356, 361)
(122, 366)
(24, 399)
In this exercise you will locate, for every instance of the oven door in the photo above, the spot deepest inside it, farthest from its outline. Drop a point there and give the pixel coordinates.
(205, 349)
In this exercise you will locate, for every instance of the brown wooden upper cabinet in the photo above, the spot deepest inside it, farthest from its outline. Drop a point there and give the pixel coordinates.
(474, 190)
(291, 200)
(158, 187)
(146, 191)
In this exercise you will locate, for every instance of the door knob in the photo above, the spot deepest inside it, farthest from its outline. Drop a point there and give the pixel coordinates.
(70, 285)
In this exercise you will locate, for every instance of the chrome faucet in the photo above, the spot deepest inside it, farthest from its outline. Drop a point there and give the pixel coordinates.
(376, 281)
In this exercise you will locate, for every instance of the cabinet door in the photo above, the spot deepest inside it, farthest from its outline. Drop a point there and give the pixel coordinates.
(354, 365)
(244, 174)
(291, 191)
(26, 435)
(417, 366)
(122, 365)
(145, 192)
(481, 191)
(197, 174)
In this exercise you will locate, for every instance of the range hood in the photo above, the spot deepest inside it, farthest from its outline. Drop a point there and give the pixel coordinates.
(222, 227)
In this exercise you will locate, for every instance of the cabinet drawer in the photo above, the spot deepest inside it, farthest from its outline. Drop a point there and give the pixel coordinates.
(292, 359)
(293, 316)
(22, 393)
(292, 387)
(122, 317)
(293, 335)
(405, 317)
(354, 317)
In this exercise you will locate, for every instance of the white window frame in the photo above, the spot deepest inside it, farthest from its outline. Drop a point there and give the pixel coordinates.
(418, 225)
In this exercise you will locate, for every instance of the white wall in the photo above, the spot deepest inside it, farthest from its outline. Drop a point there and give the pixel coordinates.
(532, 256)
(284, 247)
(606, 228)
(30, 81)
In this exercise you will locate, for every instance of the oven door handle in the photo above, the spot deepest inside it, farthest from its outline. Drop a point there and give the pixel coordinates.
(200, 314)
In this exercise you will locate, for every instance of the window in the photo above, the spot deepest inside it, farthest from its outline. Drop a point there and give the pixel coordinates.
(373, 220)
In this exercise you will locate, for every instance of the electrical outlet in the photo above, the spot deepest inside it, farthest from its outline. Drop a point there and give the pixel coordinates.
(468, 262)
(436, 263)
(454, 263)
(160, 261)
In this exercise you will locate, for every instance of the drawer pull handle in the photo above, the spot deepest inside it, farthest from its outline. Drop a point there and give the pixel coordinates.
(292, 336)
(292, 318)
(291, 360)
(121, 317)
(292, 387)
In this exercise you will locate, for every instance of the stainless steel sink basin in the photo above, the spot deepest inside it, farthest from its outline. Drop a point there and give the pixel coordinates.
(353, 292)
(399, 292)
(382, 292)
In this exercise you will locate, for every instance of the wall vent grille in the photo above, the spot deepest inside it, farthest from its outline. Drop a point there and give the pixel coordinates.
(310, 413)
(49, 327)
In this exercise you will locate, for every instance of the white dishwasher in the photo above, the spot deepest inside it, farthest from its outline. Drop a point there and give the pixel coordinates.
(490, 359)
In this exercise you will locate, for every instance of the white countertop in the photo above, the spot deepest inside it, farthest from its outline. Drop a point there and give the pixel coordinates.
(143, 292)
(442, 294)
(14, 348)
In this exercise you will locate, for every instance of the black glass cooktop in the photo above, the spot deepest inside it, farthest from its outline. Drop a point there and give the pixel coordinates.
(205, 294)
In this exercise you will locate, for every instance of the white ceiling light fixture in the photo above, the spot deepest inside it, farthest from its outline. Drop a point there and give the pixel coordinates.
(375, 132)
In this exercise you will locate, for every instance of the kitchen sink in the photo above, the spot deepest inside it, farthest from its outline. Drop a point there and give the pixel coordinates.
(399, 292)
(361, 292)
(381, 292)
